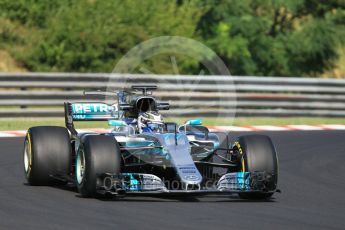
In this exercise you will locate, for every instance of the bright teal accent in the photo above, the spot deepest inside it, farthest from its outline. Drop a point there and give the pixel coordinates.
(243, 180)
(134, 184)
(194, 122)
(116, 123)
(84, 116)
(216, 145)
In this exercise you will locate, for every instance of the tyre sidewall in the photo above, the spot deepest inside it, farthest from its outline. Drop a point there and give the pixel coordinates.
(50, 154)
(258, 155)
(101, 155)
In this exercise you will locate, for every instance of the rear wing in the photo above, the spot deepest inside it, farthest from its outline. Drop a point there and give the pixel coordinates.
(88, 111)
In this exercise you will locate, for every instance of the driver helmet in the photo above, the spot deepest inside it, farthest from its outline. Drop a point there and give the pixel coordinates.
(150, 121)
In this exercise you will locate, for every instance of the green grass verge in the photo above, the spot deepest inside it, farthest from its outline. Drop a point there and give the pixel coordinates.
(25, 123)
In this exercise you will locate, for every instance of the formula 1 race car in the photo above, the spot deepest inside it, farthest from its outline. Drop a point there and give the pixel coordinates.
(142, 154)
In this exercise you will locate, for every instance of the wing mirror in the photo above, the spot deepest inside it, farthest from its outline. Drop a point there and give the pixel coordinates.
(194, 122)
(116, 123)
(189, 122)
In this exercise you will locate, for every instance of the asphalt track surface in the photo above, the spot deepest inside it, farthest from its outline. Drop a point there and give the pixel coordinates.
(312, 181)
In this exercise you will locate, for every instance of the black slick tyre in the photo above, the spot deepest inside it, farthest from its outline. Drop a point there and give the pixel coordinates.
(47, 155)
(97, 154)
(258, 154)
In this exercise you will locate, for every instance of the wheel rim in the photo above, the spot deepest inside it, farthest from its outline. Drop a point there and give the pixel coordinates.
(240, 150)
(27, 156)
(80, 166)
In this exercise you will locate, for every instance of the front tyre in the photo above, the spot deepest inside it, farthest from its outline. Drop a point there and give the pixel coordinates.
(258, 154)
(98, 154)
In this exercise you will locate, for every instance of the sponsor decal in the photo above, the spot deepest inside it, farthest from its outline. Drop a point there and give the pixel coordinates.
(85, 108)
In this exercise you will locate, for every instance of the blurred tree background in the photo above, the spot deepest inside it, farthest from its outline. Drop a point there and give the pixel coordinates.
(253, 37)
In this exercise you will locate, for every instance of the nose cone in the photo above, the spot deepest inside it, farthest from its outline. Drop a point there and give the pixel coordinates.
(189, 174)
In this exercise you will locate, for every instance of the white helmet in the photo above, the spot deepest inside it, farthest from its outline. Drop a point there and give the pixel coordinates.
(150, 122)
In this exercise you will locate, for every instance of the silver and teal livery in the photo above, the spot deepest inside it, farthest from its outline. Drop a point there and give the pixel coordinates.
(171, 158)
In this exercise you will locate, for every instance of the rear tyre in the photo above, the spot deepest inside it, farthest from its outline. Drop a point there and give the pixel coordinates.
(47, 155)
(258, 154)
(97, 155)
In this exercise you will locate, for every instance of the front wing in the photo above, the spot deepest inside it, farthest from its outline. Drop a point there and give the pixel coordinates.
(149, 184)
